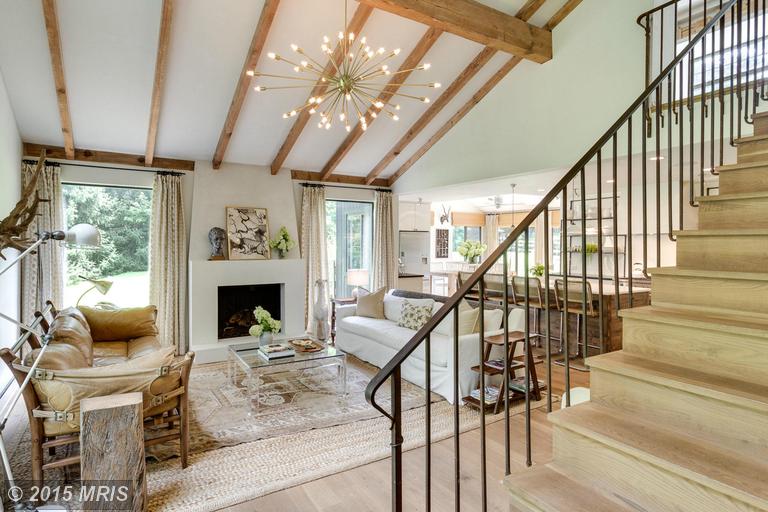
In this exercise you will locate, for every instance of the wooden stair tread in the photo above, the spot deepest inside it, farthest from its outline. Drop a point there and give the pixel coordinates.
(721, 321)
(758, 115)
(750, 139)
(699, 460)
(744, 394)
(543, 489)
(732, 197)
(722, 274)
(723, 232)
(741, 166)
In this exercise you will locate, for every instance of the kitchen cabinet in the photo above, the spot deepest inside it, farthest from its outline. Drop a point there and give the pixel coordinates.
(414, 217)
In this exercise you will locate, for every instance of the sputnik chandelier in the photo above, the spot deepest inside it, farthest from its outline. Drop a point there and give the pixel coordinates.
(352, 85)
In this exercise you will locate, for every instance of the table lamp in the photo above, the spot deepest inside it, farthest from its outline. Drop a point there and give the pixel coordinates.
(357, 277)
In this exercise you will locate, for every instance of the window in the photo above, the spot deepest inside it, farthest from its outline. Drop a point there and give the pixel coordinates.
(464, 233)
(349, 236)
(517, 249)
(122, 214)
(751, 52)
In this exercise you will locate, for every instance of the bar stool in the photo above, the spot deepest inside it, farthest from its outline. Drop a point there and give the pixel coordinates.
(536, 301)
(575, 305)
(494, 287)
(461, 278)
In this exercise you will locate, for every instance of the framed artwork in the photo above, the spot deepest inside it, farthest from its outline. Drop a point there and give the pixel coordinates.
(441, 243)
(247, 233)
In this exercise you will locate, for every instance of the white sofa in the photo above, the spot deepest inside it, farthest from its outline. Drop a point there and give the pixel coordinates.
(378, 340)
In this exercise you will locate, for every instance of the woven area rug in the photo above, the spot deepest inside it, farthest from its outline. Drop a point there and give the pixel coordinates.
(232, 475)
(290, 402)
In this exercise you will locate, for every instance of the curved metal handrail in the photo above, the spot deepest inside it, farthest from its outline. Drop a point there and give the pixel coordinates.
(453, 301)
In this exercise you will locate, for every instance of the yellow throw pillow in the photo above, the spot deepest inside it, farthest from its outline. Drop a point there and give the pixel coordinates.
(372, 305)
(121, 324)
(467, 320)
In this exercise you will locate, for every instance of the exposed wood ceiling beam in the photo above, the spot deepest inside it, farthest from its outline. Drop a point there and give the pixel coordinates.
(450, 92)
(560, 15)
(525, 13)
(409, 64)
(57, 64)
(477, 22)
(251, 60)
(106, 157)
(337, 178)
(362, 13)
(157, 88)
(477, 97)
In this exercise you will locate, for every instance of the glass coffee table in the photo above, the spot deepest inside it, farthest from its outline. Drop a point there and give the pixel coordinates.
(247, 360)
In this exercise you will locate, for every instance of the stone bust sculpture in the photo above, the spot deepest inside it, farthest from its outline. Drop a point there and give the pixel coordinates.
(217, 236)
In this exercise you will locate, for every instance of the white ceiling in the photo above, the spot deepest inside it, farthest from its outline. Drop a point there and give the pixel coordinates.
(109, 49)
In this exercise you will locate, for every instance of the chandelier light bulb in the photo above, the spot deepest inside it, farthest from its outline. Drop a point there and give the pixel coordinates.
(250, 72)
(396, 51)
(397, 107)
(381, 50)
(341, 35)
(396, 118)
(312, 111)
(259, 88)
(327, 126)
(351, 36)
(437, 85)
(342, 116)
(348, 128)
(294, 47)
(285, 116)
(272, 55)
(326, 40)
(425, 99)
(379, 104)
(296, 68)
(426, 66)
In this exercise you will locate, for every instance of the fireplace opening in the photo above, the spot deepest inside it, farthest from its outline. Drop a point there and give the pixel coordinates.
(236, 305)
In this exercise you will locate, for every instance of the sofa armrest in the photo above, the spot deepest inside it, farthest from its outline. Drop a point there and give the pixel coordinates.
(345, 311)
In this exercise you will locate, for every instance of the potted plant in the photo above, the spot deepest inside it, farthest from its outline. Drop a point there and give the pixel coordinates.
(537, 270)
(283, 243)
(265, 326)
(471, 250)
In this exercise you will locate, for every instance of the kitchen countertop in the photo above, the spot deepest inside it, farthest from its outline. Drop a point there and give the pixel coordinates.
(406, 275)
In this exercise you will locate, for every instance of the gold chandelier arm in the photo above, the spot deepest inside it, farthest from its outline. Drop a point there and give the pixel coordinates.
(313, 61)
(375, 67)
(257, 75)
(419, 98)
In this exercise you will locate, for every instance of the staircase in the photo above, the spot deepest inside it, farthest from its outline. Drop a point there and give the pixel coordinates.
(678, 420)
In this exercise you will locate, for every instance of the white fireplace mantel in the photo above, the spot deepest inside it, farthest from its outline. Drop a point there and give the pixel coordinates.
(206, 276)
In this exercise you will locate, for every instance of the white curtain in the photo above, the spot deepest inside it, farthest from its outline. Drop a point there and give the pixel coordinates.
(168, 261)
(42, 274)
(384, 256)
(491, 232)
(313, 250)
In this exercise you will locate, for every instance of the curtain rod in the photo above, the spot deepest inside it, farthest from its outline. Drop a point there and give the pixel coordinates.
(91, 166)
(333, 185)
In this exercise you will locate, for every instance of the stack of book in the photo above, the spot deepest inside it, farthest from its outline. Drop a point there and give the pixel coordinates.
(491, 394)
(276, 351)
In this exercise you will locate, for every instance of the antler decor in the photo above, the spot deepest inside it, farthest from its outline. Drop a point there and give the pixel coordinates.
(13, 228)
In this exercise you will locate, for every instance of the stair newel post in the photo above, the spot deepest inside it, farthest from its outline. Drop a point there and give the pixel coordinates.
(548, 345)
(397, 441)
(428, 421)
(564, 255)
(483, 468)
(507, 357)
(456, 405)
(527, 355)
(583, 187)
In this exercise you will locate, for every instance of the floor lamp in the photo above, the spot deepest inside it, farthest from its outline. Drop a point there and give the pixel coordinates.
(82, 235)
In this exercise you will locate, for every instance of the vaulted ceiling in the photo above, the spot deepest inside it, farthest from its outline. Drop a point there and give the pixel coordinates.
(154, 77)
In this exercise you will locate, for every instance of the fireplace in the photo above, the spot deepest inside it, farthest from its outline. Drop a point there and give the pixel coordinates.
(236, 305)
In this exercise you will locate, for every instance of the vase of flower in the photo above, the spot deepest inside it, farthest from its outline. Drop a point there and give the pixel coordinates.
(471, 250)
(283, 243)
(265, 326)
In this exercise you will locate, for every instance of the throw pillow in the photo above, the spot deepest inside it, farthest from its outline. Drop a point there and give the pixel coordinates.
(445, 327)
(121, 324)
(413, 316)
(493, 319)
(372, 304)
(393, 305)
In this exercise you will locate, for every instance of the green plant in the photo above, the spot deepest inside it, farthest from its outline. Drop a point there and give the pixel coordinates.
(591, 248)
(537, 270)
(283, 242)
(264, 322)
(471, 249)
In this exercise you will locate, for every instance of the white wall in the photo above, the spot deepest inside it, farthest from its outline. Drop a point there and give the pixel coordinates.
(239, 185)
(10, 185)
(546, 116)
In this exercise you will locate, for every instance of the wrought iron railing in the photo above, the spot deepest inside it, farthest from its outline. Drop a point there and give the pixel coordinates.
(668, 121)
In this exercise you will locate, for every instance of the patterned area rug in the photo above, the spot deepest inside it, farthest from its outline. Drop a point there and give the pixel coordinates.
(290, 402)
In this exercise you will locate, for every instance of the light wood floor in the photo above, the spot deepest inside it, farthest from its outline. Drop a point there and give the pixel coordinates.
(367, 488)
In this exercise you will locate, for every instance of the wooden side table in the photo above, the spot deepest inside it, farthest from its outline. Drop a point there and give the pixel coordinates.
(341, 302)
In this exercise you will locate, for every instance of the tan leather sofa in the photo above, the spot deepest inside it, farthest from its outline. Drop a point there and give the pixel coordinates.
(96, 352)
